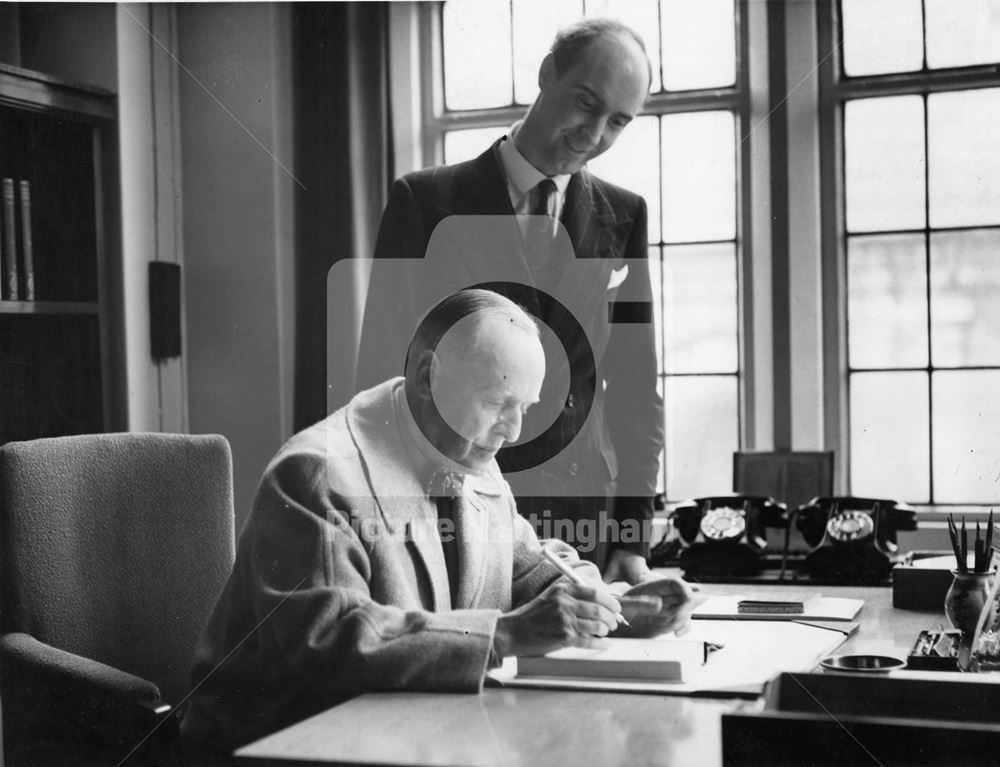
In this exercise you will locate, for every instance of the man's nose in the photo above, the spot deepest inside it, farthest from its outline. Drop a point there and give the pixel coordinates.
(510, 425)
(593, 128)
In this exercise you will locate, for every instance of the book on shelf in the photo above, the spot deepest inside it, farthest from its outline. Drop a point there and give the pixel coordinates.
(27, 254)
(9, 243)
(664, 660)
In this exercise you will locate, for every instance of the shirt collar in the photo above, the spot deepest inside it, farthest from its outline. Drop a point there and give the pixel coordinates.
(521, 174)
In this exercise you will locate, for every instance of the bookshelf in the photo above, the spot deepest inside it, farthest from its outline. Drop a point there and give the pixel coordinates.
(55, 174)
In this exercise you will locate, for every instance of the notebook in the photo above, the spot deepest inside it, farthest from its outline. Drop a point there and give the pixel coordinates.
(797, 604)
(642, 659)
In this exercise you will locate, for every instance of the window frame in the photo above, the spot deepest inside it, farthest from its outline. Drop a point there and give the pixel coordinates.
(836, 89)
(792, 385)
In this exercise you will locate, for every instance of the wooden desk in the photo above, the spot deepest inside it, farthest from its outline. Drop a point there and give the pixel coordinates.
(546, 727)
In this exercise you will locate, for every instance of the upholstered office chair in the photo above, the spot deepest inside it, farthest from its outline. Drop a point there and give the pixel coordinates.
(114, 549)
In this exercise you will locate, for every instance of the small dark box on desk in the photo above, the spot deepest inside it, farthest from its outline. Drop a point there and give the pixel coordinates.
(922, 580)
(921, 583)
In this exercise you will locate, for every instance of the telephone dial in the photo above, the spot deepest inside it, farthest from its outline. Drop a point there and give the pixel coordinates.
(853, 539)
(725, 534)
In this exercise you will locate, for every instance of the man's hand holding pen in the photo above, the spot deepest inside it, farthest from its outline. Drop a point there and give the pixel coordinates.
(574, 613)
(566, 614)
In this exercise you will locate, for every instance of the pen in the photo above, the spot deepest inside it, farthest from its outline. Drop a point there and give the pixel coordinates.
(568, 572)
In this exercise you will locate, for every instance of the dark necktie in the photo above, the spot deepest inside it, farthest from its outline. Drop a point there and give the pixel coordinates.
(445, 489)
(541, 231)
(546, 197)
(545, 193)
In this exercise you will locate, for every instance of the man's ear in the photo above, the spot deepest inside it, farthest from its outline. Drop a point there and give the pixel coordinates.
(427, 367)
(547, 72)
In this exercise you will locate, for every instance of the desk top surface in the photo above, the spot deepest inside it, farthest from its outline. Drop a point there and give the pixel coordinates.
(514, 727)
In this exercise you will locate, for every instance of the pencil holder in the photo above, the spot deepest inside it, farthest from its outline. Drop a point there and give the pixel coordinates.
(963, 605)
(965, 599)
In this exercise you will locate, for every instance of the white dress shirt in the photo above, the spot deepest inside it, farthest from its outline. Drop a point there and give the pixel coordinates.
(522, 177)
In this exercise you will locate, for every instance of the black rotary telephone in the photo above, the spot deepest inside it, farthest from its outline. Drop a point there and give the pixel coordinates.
(853, 539)
(725, 534)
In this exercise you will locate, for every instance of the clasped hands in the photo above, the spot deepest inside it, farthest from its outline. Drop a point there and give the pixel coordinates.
(569, 614)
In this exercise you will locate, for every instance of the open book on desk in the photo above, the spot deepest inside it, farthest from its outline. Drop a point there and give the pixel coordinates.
(752, 652)
(817, 608)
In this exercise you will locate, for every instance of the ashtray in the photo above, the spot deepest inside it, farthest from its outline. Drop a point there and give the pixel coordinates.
(862, 663)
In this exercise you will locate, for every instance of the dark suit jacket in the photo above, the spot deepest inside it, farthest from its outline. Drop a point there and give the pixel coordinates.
(612, 415)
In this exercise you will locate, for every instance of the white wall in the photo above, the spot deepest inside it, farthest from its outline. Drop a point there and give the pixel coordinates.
(150, 221)
(235, 132)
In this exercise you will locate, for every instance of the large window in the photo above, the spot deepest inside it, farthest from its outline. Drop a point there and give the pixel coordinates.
(682, 154)
(856, 145)
(919, 245)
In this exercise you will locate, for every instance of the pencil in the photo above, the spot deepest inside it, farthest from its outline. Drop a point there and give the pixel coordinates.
(568, 572)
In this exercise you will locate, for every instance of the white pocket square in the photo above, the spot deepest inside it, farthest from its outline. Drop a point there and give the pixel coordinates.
(617, 277)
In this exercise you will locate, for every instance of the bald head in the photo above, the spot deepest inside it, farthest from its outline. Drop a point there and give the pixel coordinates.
(474, 367)
(451, 317)
(573, 40)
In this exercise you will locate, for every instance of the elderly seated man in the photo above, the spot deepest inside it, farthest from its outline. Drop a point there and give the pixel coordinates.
(385, 552)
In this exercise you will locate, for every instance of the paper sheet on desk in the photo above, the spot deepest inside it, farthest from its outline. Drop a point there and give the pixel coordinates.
(753, 652)
(726, 607)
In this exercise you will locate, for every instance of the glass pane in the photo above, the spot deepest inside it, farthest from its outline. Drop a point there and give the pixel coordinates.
(699, 284)
(477, 58)
(887, 301)
(535, 26)
(632, 163)
(699, 176)
(699, 43)
(890, 436)
(884, 163)
(963, 131)
(701, 435)
(643, 16)
(880, 37)
(656, 282)
(965, 298)
(966, 436)
(962, 33)
(461, 145)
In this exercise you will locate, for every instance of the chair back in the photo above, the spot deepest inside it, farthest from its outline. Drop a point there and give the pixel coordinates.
(116, 546)
(792, 477)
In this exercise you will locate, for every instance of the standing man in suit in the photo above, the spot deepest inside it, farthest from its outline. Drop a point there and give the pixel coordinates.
(593, 448)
